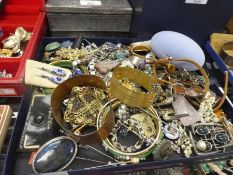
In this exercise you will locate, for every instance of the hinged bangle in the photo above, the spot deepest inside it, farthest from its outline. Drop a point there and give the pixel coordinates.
(130, 97)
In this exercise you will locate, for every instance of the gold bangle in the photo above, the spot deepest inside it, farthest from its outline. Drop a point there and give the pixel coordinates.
(130, 97)
(62, 92)
(142, 154)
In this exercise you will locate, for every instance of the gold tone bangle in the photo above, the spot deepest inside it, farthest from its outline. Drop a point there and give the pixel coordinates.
(62, 92)
(130, 97)
(140, 154)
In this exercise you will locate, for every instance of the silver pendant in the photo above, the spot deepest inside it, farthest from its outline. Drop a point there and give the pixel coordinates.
(171, 131)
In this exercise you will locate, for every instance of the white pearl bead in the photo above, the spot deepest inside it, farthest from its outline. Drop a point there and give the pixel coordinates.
(201, 145)
(135, 160)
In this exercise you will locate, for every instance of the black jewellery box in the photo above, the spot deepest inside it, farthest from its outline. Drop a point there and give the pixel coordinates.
(17, 162)
(88, 17)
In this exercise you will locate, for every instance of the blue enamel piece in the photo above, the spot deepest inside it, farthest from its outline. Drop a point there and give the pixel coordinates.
(56, 80)
(77, 72)
(119, 55)
(66, 44)
(59, 72)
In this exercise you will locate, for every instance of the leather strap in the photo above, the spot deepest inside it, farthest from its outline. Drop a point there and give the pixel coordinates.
(223, 98)
(62, 92)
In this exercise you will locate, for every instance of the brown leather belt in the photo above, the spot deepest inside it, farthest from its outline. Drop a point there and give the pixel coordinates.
(62, 92)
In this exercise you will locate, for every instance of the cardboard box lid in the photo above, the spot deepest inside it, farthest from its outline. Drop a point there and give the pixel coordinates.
(115, 7)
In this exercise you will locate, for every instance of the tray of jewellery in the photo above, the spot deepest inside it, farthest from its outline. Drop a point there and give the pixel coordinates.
(123, 110)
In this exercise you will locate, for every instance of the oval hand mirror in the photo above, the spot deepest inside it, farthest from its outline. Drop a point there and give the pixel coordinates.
(55, 155)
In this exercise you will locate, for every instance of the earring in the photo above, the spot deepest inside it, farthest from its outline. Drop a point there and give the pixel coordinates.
(56, 80)
(55, 71)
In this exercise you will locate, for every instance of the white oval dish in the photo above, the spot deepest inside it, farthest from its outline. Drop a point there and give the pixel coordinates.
(173, 44)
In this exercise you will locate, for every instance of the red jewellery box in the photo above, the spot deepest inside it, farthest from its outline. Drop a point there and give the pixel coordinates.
(30, 15)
